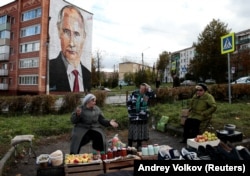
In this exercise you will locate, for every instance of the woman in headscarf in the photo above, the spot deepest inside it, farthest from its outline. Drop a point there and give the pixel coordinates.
(88, 119)
(137, 105)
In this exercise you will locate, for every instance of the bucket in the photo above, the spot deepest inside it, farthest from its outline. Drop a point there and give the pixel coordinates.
(56, 158)
(230, 128)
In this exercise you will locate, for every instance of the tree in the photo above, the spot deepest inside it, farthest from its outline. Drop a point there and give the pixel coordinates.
(162, 63)
(94, 78)
(209, 62)
(129, 77)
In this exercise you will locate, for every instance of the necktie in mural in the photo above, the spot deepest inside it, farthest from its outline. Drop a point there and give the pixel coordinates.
(76, 83)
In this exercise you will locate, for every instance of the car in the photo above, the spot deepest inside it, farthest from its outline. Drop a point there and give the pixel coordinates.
(210, 81)
(242, 80)
(188, 83)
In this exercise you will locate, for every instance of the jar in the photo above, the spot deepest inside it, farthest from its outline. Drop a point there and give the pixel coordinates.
(118, 153)
(151, 150)
(124, 152)
(144, 150)
(95, 155)
(110, 154)
(103, 155)
(156, 149)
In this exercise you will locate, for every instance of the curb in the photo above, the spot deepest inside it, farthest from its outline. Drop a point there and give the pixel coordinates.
(5, 158)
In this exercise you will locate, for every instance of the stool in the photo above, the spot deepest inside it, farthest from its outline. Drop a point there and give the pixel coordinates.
(21, 139)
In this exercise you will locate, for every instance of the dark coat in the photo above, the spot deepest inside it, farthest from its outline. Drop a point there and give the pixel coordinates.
(58, 79)
(89, 119)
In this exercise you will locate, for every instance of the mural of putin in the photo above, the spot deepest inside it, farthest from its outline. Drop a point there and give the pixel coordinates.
(66, 72)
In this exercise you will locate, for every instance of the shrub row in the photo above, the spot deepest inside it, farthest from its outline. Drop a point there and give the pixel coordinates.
(44, 104)
(219, 91)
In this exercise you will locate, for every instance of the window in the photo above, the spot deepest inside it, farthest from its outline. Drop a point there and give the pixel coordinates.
(28, 80)
(31, 30)
(29, 47)
(4, 34)
(12, 35)
(28, 63)
(36, 13)
(12, 51)
(4, 19)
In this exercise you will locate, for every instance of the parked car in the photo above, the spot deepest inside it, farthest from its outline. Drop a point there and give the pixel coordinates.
(188, 83)
(242, 80)
(210, 81)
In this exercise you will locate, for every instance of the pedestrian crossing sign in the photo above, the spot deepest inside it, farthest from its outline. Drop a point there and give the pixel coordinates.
(227, 43)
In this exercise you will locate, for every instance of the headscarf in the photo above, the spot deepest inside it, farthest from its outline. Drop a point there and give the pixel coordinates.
(88, 98)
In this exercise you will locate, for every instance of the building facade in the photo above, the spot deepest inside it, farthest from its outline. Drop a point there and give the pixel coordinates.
(28, 40)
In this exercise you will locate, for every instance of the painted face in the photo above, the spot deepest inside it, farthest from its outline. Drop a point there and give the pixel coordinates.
(72, 36)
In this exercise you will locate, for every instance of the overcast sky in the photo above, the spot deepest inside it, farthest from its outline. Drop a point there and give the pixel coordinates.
(128, 28)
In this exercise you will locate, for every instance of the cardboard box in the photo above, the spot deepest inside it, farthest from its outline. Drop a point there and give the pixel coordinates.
(88, 169)
(194, 144)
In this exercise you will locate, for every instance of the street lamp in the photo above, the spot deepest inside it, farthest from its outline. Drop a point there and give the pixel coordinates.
(142, 62)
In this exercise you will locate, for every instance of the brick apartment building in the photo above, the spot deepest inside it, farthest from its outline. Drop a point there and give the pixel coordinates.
(27, 42)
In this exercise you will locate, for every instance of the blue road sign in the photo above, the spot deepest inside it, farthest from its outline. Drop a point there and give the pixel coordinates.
(227, 43)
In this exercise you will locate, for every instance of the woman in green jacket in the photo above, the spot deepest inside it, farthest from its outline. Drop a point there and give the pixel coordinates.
(202, 107)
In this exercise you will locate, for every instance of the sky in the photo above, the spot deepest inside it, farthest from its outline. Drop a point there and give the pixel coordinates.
(124, 29)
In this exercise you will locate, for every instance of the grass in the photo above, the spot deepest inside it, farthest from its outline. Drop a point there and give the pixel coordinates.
(50, 125)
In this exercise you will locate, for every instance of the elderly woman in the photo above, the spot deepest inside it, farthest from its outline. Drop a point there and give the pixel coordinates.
(87, 120)
(202, 107)
(138, 113)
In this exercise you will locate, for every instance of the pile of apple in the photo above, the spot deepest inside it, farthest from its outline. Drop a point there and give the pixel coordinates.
(206, 136)
(79, 158)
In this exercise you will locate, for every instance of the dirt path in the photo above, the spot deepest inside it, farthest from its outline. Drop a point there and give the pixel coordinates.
(51, 144)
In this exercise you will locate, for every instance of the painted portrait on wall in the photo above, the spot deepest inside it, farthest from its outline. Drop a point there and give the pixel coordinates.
(70, 48)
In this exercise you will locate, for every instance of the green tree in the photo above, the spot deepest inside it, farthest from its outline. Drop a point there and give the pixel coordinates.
(129, 77)
(162, 63)
(208, 61)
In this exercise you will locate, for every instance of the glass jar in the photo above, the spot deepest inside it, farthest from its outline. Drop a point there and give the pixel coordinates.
(156, 149)
(151, 150)
(144, 150)
(124, 152)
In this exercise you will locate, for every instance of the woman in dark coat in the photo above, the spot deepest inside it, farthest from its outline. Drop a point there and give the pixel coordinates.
(137, 105)
(87, 120)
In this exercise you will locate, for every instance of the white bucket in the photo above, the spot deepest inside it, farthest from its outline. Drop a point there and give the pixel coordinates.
(56, 158)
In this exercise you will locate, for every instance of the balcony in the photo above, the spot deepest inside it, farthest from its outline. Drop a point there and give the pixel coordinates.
(3, 86)
(4, 41)
(4, 56)
(5, 26)
(243, 41)
(4, 72)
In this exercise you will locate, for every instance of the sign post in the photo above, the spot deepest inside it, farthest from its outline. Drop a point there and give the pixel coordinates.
(227, 46)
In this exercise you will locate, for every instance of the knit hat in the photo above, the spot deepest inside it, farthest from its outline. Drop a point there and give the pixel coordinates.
(87, 98)
(202, 85)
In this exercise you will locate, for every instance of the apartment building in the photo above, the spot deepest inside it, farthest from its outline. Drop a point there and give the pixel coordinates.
(28, 40)
(130, 67)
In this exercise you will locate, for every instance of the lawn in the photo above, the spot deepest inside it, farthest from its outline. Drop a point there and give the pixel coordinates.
(49, 125)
